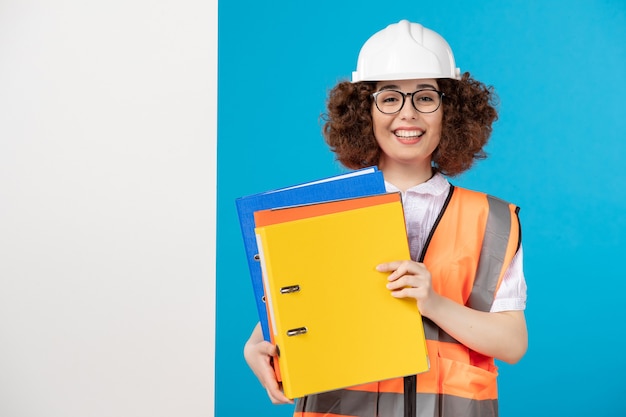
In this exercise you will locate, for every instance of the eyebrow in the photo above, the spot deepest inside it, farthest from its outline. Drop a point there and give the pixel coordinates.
(396, 87)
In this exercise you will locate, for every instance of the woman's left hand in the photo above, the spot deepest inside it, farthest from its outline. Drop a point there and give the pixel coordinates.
(502, 335)
(410, 279)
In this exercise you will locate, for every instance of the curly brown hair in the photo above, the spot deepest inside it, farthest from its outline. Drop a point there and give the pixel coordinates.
(468, 113)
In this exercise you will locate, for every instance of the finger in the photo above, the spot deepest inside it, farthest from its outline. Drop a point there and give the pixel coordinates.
(410, 269)
(405, 282)
(275, 392)
(406, 292)
(399, 283)
(277, 396)
(397, 268)
(388, 266)
(405, 276)
(272, 386)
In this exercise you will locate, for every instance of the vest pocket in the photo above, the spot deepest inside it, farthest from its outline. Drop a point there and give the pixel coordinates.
(467, 381)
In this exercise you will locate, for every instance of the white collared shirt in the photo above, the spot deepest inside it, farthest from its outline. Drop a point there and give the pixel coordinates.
(422, 204)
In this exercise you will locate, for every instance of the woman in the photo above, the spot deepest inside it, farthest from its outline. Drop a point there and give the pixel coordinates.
(409, 111)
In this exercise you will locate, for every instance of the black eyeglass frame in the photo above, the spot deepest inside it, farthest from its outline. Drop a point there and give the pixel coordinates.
(405, 95)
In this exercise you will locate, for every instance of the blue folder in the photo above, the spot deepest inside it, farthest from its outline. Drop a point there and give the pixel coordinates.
(359, 183)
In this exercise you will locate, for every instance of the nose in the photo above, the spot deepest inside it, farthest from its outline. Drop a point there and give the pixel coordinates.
(408, 110)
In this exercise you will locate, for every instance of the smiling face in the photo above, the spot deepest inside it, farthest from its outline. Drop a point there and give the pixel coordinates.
(407, 138)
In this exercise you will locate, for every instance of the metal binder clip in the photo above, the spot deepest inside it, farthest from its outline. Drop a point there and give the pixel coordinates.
(297, 331)
(290, 289)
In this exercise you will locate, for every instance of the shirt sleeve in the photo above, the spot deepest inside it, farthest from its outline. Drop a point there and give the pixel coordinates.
(512, 292)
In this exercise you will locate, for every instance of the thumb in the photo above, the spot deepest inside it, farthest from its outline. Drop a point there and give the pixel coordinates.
(267, 348)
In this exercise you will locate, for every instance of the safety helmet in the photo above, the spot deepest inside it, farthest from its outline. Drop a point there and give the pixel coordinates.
(404, 51)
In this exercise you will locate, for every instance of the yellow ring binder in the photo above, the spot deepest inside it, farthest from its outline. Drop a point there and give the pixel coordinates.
(324, 255)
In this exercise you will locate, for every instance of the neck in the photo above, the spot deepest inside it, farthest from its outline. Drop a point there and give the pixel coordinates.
(406, 176)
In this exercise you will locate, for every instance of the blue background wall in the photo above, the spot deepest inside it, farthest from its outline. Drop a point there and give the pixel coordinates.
(557, 151)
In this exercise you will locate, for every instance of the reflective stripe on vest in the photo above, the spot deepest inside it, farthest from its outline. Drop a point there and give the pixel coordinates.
(473, 242)
(388, 404)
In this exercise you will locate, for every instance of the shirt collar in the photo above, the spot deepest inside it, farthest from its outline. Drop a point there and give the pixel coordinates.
(434, 186)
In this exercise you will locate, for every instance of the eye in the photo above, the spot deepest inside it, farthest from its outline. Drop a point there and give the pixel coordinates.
(426, 96)
(389, 97)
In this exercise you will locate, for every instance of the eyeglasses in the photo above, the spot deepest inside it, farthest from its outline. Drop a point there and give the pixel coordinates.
(392, 101)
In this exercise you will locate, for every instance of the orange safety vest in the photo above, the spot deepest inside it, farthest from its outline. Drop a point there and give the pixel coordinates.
(470, 247)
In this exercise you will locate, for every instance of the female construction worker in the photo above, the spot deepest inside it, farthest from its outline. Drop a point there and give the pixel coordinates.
(409, 111)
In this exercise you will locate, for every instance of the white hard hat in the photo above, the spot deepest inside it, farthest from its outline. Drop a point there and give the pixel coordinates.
(405, 51)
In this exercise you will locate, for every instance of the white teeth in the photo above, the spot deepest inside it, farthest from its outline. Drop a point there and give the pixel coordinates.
(408, 133)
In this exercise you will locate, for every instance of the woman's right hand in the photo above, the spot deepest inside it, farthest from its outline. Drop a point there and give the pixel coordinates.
(258, 354)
